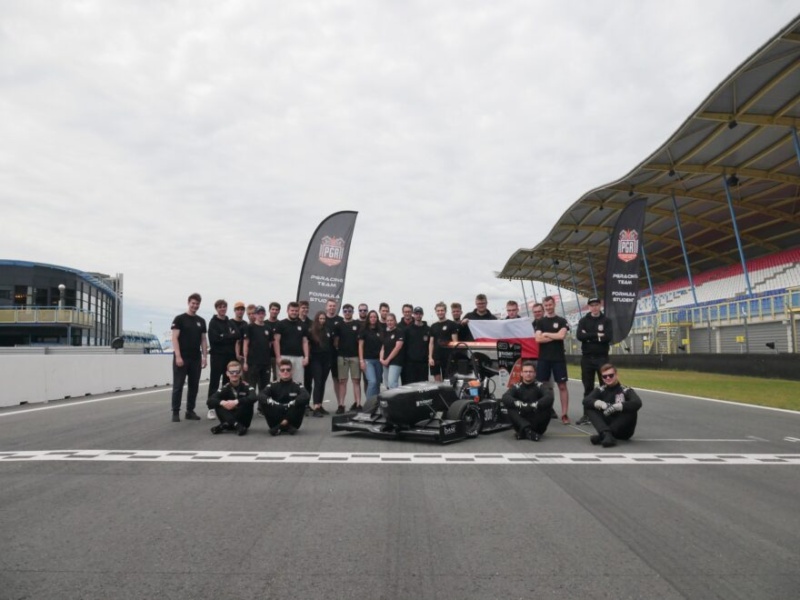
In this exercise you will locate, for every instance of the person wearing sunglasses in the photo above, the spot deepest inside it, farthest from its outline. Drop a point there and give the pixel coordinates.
(284, 402)
(612, 409)
(233, 402)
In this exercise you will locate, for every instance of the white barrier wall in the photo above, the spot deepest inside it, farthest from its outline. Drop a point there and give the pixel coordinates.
(39, 378)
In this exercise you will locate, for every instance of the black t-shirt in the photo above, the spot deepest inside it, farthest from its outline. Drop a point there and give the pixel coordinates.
(324, 345)
(552, 350)
(373, 340)
(241, 326)
(390, 340)
(190, 334)
(292, 333)
(258, 346)
(442, 331)
(415, 344)
(347, 333)
(272, 326)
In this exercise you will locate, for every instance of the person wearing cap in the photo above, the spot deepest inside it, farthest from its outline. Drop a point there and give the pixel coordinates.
(257, 344)
(233, 402)
(612, 409)
(416, 346)
(223, 336)
(595, 332)
(345, 340)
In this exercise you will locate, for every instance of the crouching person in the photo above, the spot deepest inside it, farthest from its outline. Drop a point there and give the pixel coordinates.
(233, 402)
(612, 408)
(529, 404)
(284, 402)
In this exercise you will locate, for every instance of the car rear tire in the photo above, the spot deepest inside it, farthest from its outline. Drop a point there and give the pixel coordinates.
(468, 412)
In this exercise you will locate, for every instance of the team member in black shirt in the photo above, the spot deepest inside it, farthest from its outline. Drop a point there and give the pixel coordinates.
(257, 342)
(612, 408)
(550, 331)
(283, 402)
(443, 331)
(320, 344)
(233, 403)
(595, 332)
(332, 320)
(416, 340)
(241, 325)
(291, 341)
(391, 352)
(481, 313)
(190, 348)
(370, 344)
(308, 379)
(345, 341)
(528, 404)
(272, 324)
(223, 336)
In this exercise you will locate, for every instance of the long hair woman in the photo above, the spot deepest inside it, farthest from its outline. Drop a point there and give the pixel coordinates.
(319, 346)
(370, 342)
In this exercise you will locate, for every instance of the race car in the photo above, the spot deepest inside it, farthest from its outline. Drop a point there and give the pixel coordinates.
(443, 412)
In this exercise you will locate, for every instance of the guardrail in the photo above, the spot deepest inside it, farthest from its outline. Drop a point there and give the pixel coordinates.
(45, 316)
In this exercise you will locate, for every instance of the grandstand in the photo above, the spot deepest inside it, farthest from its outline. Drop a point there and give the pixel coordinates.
(721, 201)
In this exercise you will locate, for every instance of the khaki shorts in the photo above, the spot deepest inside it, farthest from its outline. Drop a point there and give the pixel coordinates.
(349, 367)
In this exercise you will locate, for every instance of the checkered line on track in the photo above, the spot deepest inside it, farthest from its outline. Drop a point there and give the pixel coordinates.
(429, 458)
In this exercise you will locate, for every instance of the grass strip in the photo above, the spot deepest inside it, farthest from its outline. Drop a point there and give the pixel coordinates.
(777, 393)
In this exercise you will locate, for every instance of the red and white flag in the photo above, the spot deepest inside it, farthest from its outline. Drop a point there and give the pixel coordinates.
(516, 331)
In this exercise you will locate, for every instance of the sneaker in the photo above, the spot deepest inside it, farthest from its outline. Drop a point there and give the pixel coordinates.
(595, 439)
(176, 418)
(241, 430)
(275, 430)
(291, 429)
(217, 429)
(317, 413)
(608, 440)
(584, 420)
(191, 416)
(323, 411)
(354, 407)
(534, 436)
(524, 434)
(212, 415)
(340, 410)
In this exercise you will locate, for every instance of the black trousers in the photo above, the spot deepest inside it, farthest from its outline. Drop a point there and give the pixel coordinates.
(242, 414)
(320, 365)
(537, 420)
(621, 424)
(190, 370)
(258, 376)
(414, 371)
(218, 368)
(275, 413)
(590, 370)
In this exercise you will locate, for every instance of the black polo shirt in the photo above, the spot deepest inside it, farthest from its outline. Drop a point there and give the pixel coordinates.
(373, 340)
(390, 340)
(190, 329)
(292, 333)
(259, 340)
(553, 351)
(347, 334)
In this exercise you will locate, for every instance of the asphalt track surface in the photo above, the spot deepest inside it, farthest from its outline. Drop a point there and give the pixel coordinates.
(104, 498)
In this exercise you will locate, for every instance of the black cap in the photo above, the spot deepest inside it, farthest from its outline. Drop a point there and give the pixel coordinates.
(594, 300)
(260, 309)
(418, 309)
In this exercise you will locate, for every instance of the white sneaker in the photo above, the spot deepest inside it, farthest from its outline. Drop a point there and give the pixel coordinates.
(212, 415)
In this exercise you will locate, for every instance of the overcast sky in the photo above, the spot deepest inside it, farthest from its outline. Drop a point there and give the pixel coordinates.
(196, 145)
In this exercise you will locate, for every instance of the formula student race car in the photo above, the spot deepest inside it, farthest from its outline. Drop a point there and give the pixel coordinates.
(443, 412)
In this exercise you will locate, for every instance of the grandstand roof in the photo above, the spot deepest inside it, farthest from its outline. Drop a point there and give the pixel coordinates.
(747, 128)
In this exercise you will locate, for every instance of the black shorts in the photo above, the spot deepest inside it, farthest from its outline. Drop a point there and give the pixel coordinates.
(556, 368)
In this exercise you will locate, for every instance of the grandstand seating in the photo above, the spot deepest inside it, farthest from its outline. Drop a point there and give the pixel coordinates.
(767, 274)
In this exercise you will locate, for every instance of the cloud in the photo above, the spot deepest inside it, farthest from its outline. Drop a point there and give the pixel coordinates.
(195, 146)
